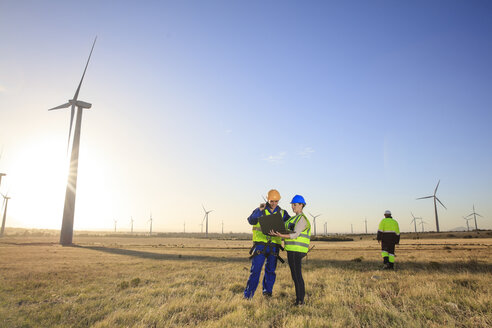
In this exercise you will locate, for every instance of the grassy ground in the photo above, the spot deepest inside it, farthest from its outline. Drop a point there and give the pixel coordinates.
(176, 282)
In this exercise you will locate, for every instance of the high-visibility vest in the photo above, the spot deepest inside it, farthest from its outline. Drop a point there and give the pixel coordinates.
(260, 237)
(388, 231)
(301, 243)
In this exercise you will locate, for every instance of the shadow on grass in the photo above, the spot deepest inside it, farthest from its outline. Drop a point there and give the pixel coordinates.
(161, 256)
(310, 264)
(470, 266)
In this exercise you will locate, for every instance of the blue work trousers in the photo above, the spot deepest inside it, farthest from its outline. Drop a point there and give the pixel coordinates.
(256, 266)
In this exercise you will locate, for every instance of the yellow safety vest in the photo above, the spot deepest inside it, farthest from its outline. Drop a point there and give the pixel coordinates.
(260, 237)
(301, 243)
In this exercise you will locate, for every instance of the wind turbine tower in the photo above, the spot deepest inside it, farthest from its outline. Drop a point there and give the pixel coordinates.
(314, 222)
(5, 204)
(475, 217)
(66, 233)
(365, 220)
(131, 219)
(206, 220)
(150, 224)
(435, 204)
(115, 221)
(326, 228)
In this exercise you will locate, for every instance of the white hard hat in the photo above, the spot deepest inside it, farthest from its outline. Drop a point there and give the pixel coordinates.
(387, 212)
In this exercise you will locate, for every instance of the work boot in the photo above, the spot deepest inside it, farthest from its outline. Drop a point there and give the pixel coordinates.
(267, 294)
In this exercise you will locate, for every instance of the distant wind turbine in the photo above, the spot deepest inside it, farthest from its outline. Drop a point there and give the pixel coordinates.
(422, 222)
(435, 204)
(150, 224)
(314, 221)
(475, 217)
(206, 220)
(66, 233)
(5, 204)
(365, 220)
(467, 224)
(414, 221)
(1, 174)
(326, 228)
(115, 221)
(131, 219)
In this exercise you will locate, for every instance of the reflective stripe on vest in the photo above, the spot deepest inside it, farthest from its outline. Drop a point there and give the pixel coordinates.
(259, 236)
(301, 243)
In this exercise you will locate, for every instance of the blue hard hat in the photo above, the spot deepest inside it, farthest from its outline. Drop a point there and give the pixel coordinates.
(298, 199)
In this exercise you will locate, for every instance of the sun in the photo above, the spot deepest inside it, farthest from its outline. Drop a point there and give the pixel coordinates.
(36, 182)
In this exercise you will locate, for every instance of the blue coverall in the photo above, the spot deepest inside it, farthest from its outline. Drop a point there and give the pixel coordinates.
(258, 260)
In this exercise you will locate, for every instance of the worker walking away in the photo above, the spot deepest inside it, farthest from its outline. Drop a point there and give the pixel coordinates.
(297, 244)
(388, 236)
(264, 247)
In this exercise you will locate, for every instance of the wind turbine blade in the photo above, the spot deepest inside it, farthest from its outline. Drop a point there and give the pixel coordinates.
(478, 215)
(59, 107)
(413, 216)
(437, 186)
(441, 203)
(425, 197)
(85, 69)
(204, 209)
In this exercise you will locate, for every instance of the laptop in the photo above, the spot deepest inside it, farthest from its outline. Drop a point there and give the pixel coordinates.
(273, 222)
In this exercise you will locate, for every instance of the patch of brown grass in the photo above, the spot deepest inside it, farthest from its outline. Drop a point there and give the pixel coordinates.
(124, 282)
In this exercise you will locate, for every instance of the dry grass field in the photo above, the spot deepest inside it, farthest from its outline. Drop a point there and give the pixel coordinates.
(177, 282)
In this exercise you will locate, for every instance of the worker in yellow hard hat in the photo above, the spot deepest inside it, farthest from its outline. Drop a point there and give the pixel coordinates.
(264, 247)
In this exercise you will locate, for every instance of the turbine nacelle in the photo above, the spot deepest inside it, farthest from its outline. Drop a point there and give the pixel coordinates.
(80, 104)
(73, 103)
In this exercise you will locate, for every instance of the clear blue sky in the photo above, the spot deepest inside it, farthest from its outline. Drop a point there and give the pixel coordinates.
(359, 106)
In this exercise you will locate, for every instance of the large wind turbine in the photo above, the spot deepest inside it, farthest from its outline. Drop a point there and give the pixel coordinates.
(66, 233)
(206, 220)
(314, 221)
(5, 204)
(435, 204)
(475, 217)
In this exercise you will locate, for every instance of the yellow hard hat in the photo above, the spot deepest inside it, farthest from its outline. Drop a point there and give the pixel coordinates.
(273, 195)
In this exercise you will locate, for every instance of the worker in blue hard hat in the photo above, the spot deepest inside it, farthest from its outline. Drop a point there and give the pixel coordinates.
(265, 247)
(297, 244)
